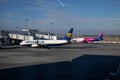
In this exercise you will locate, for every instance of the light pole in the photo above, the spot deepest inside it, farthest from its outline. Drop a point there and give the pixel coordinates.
(116, 38)
(26, 25)
(51, 29)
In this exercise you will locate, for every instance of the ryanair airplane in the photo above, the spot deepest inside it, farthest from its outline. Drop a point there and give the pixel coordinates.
(47, 43)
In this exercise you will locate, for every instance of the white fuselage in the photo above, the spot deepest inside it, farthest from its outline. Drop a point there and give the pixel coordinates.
(44, 42)
(77, 40)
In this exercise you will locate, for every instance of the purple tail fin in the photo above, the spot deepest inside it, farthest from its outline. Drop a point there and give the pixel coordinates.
(100, 36)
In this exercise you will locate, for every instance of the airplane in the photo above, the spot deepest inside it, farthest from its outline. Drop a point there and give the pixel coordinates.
(48, 43)
(87, 40)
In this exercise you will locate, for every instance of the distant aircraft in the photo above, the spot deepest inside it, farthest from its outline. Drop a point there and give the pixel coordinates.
(47, 43)
(87, 40)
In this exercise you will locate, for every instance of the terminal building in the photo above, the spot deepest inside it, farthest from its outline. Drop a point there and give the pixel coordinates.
(15, 37)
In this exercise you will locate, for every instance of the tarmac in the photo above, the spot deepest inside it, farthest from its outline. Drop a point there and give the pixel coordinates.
(68, 62)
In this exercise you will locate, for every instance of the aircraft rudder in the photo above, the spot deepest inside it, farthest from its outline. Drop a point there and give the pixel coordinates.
(69, 34)
(100, 36)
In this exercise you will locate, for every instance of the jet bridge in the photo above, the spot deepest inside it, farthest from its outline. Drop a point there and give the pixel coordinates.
(15, 37)
(20, 36)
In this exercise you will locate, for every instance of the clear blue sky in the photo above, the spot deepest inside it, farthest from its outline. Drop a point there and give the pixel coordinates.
(54, 15)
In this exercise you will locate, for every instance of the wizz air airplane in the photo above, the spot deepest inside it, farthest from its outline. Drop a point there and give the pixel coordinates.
(88, 40)
(47, 43)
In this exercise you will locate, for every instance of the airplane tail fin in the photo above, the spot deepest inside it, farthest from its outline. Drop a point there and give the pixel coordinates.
(100, 36)
(68, 35)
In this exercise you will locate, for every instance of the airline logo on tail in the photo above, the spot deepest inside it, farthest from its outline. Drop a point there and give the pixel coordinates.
(69, 34)
(100, 36)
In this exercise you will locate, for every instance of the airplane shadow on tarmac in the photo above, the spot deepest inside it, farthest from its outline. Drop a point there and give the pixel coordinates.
(86, 67)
